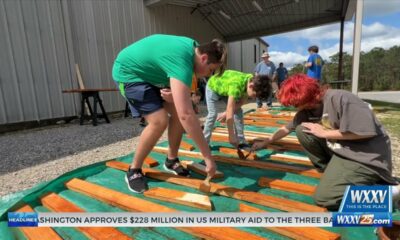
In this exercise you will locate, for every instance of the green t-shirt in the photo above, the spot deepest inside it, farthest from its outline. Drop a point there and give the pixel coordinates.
(231, 83)
(155, 59)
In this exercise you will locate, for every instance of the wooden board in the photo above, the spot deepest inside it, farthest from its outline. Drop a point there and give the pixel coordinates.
(254, 133)
(294, 159)
(180, 197)
(227, 191)
(45, 233)
(150, 162)
(186, 146)
(56, 203)
(131, 203)
(234, 152)
(265, 119)
(298, 233)
(200, 169)
(305, 171)
(286, 186)
(274, 146)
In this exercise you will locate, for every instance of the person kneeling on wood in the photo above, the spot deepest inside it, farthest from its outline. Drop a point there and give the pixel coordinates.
(341, 136)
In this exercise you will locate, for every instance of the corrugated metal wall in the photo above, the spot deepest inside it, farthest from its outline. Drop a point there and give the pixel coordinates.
(244, 55)
(34, 61)
(42, 40)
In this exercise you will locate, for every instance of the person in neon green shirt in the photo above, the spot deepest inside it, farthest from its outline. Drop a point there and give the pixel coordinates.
(235, 88)
(155, 74)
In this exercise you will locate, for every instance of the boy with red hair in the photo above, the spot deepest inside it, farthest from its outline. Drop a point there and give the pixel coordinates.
(341, 136)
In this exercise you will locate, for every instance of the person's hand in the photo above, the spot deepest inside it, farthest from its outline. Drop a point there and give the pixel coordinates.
(260, 143)
(211, 167)
(234, 141)
(221, 117)
(166, 94)
(314, 129)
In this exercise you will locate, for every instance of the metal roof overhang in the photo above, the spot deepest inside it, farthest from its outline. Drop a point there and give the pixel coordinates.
(243, 19)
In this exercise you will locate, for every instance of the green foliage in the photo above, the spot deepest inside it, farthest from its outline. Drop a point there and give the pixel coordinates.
(379, 69)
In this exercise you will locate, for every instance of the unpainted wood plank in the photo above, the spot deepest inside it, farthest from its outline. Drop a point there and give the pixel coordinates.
(200, 169)
(287, 139)
(298, 233)
(286, 186)
(186, 146)
(131, 203)
(57, 203)
(227, 191)
(45, 233)
(180, 197)
(294, 159)
(301, 170)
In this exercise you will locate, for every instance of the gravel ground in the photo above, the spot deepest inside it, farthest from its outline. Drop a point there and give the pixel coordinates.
(33, 156)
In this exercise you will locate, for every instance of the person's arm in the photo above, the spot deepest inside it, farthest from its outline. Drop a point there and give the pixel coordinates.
(260, 143)
(230, 111)
(190, 122)
(309, 62)
(319, 131)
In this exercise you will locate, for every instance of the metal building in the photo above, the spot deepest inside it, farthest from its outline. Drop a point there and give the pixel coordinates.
(41, 40)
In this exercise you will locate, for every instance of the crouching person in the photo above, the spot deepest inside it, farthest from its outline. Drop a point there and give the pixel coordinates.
(235, 88)
(341, 136)
(155, 76)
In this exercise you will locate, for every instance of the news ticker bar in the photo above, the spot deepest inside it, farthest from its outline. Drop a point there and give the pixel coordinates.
(198, 219)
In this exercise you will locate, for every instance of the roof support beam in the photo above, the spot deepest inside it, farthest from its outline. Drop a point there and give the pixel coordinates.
(155, 3)
(357, 45)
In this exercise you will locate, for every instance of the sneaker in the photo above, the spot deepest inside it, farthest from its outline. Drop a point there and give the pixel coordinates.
(175, 167)
(136, 181)
(245, 146)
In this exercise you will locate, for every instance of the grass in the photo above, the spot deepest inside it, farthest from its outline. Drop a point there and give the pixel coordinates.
(389, 115)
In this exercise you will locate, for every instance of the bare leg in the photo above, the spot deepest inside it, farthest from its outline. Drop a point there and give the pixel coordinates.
(157, 123)
(175, 131)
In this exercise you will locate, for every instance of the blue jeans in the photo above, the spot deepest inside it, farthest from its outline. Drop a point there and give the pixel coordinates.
(259, 101)
(211, 99)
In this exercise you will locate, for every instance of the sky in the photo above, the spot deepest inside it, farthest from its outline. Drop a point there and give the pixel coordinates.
(381, 28)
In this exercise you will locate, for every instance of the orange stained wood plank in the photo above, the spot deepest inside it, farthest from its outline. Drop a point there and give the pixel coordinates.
(286, 186)
(265, 119)
(57, 203)
(234, 152)
(45, 233)
(298, 233)
(150, 162)
(301, 170)
(135, 204)
(227, 191)
(186, 146)
(200, 169)
(268, 116)
(180, 197)
(287, 158)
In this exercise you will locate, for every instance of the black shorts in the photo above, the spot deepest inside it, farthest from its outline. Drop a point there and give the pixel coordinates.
(143, 98)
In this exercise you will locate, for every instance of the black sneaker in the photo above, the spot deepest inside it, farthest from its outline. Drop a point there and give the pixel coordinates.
(175, 167)
(136, 180)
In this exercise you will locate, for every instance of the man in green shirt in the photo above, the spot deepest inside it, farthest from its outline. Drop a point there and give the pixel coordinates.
(234, 87)
(155, 75)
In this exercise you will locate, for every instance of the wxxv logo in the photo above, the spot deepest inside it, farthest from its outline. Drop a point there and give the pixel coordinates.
(365, 206)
